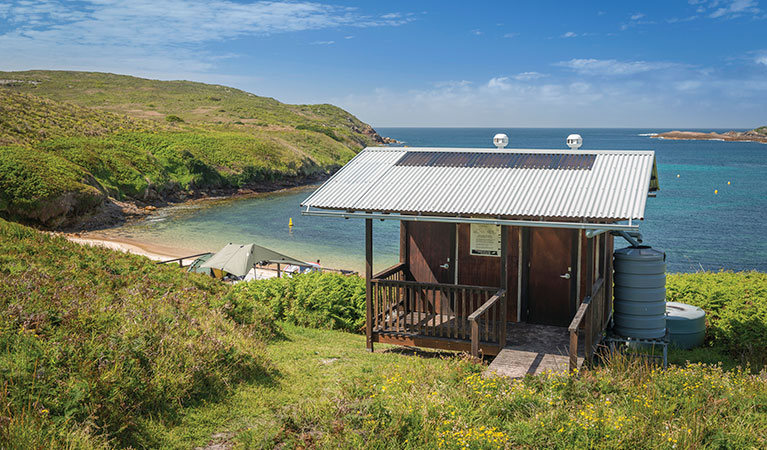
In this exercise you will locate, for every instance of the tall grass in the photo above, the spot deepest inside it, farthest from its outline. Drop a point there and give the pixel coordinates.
(94, 342)
(626, 404)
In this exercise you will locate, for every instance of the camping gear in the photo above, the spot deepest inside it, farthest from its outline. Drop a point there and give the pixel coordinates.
(238, 259)
(195, 266)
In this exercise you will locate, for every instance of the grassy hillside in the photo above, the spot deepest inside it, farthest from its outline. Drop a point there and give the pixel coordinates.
(93, 343)
(27, 119)
(70, 140)
(101, 350)
(760, 130)
(192, 102)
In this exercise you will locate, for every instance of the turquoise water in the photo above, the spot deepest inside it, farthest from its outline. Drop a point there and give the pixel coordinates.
(696, 228)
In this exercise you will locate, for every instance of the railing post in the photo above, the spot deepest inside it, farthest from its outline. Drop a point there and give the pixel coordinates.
(474, 338)
(368, 283)
(573, 350)
(589, 332)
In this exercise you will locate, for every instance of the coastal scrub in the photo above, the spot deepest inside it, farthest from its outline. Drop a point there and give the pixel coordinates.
(94, 342)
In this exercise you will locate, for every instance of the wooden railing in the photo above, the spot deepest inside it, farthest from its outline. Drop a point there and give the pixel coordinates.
(434, 310)
(395, 272)
(592, 318)
(181, 260)
(492, 304)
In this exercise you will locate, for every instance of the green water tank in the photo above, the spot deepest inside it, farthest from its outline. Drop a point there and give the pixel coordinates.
(686, 325)
(640, 293)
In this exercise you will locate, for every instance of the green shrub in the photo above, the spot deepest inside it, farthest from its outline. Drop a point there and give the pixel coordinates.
(172, 118)
(42, 187)
(735, 305)
(319, 129)
(94, 342)
(318, 300)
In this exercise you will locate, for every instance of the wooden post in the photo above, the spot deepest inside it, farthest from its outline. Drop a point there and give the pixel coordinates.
(368, 284)
(590, 250)
(504, 284)
(573, 350)
(589, 329)
(403, 242)
(278, 270)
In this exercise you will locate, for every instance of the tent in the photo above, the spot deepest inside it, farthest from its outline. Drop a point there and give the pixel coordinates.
(195, 266)
(238, 259)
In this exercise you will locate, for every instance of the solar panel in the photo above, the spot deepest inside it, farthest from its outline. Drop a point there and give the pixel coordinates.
(562, 161)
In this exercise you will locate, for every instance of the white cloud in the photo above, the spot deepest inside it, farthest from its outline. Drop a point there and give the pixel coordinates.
(528, 76)
(503, 101)
(637, 16)
(612, 67)
(146, 35)
(688, 85)
(476, 32)
(727, 9)
(510, 35)
(453, 84)
(501, 83)
(761, 60)
(569, 34)
(349, 37)
(322, 43)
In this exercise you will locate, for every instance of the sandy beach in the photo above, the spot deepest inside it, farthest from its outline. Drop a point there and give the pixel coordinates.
(151, 251)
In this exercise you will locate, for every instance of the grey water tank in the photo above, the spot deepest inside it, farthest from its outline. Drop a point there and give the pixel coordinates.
(640, 292)
(686, 325)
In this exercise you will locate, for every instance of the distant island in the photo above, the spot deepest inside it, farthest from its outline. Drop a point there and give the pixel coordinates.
(755, 135)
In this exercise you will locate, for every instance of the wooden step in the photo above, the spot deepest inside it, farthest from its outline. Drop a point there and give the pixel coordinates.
(518, 363)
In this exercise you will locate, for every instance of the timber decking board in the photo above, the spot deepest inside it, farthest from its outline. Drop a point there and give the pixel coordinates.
(518, 363)
(533, 349)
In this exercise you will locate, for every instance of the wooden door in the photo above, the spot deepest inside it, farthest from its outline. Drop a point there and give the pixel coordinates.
(431, 252)
(551, 276)
(431, 255)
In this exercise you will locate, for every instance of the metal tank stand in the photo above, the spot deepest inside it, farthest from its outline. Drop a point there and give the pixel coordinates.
(612, 340)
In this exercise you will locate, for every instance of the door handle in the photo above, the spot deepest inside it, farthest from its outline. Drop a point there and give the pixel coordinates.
(565, 276)
(445, 266)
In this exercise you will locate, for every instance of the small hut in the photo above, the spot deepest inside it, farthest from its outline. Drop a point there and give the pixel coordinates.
(498, 247)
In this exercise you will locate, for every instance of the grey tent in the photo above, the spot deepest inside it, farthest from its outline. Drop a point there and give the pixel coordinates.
(195, 266)
(238, 259)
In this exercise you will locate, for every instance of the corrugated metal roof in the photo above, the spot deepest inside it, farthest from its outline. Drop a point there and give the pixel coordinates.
(577, 184)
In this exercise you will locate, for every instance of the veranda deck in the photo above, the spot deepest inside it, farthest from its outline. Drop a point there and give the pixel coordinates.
(529, 348)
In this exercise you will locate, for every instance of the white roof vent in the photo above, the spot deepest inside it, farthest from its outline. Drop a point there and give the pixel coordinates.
(500, 140)
(574, 141)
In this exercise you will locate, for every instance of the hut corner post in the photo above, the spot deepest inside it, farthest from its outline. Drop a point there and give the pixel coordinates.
(504, 285)
(368, 284)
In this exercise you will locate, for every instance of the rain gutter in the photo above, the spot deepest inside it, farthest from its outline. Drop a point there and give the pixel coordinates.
(596, 227)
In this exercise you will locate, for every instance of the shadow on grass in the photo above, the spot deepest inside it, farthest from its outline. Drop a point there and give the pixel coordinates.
(425, 353)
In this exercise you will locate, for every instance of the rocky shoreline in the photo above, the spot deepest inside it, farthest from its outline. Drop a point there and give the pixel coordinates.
(756, 135)
(112, 212)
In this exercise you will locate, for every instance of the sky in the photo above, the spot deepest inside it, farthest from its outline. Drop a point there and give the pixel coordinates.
(663, 64)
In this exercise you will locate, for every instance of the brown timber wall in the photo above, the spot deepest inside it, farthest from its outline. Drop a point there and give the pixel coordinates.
(430, 244)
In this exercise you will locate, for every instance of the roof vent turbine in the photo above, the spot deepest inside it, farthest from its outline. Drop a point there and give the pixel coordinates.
(500, 140)
(574, 141)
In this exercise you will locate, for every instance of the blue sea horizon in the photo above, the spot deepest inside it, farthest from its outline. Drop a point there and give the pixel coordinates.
(696, 227)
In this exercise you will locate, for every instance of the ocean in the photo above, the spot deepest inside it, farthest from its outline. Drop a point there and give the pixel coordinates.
(698, 229)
